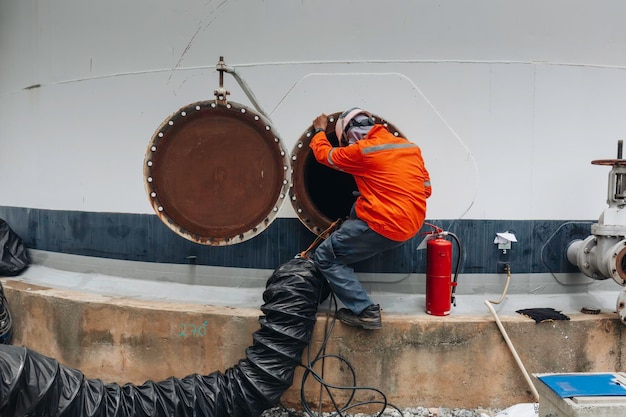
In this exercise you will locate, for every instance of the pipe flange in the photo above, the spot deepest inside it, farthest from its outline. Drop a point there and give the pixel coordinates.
(617, 262)
(608, 230)
(216, 173)
(585, 256)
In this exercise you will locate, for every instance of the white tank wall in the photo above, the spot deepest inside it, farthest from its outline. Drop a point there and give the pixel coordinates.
(510, 101)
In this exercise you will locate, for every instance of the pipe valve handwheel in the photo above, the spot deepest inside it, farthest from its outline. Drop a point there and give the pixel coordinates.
(603, 253)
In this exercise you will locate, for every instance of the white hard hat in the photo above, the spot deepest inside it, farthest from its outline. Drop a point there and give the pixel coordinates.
(343, 121)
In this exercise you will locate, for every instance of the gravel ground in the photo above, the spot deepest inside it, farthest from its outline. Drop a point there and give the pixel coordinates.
(407, 412)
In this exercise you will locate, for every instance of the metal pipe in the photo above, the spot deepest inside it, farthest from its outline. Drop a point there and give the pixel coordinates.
(489, 305)
(222, 67)
(513, 351)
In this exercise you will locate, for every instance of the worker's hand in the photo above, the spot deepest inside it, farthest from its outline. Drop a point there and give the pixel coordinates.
(320, 122)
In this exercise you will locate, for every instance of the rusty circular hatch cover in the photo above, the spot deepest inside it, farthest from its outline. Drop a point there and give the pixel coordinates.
(216, 173)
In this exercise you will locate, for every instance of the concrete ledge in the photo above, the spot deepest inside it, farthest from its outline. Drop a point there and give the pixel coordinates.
(453, 361)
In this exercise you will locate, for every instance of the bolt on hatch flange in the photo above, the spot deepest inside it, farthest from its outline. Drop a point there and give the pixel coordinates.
(215, 172)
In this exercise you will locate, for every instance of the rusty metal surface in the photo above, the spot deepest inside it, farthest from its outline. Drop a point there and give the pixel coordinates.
(215, 173)
(321, 195)
(609, 162)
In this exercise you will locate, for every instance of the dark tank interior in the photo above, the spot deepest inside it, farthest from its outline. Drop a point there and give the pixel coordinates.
(332, 192)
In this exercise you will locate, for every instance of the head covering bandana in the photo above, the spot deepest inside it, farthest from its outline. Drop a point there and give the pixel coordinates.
(356, 132)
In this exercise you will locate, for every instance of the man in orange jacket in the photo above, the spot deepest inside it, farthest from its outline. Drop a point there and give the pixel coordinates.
(393, 187)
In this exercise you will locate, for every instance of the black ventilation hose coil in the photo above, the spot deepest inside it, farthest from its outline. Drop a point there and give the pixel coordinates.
(6, 321)
(33, 385)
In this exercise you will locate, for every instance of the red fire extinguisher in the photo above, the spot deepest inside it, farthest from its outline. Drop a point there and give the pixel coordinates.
(440, 286)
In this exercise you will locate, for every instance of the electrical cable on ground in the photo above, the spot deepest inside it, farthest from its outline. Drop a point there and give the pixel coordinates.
(322, 357)
(340, 410)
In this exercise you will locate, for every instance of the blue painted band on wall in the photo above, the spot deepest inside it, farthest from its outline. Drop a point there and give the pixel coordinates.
(541, 245)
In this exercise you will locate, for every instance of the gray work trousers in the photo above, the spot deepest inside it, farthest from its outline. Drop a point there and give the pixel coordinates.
(354, 241)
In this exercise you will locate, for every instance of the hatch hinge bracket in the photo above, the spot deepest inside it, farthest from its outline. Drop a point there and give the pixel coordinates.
(221, 93)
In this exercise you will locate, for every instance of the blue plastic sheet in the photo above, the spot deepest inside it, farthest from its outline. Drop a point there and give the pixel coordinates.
(584, 385)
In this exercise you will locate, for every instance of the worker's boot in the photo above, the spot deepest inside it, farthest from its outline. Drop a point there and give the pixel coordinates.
(368, 319)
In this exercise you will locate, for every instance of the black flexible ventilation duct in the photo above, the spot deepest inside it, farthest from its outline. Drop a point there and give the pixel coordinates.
(32, 385)
(6, 322)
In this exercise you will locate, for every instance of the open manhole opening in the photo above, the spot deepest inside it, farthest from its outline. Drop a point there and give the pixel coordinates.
(319, 194)
(216, 173)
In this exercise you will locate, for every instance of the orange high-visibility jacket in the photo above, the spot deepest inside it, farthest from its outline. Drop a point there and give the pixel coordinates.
(390, 174)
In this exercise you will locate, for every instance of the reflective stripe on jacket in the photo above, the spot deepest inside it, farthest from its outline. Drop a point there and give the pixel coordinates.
(390, 174)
